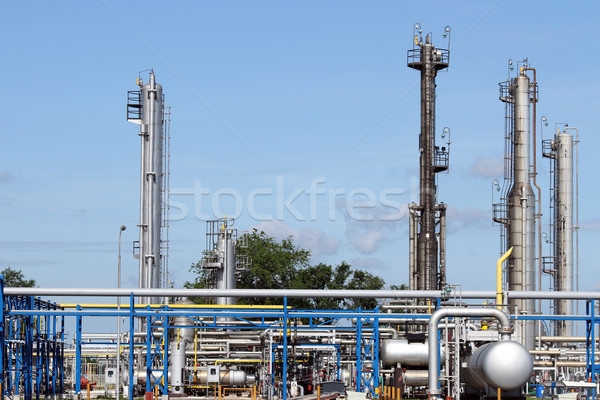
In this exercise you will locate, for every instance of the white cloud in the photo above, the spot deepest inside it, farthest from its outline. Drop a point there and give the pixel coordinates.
(369, 241)
(468, 218)
(486, 167)
(313, 239)
(591, 225)
(375, 226)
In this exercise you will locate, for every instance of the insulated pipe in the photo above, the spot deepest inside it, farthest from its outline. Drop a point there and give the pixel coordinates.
(434, 356)
(565, 339)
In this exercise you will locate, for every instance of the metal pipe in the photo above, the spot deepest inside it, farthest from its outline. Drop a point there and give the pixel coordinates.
(534, 176)
(412, 234)
(292, 293)
(565, 339)
(434, 356)
(571, 364)
(499, 278)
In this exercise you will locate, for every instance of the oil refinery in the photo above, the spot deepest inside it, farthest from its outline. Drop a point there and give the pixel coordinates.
(433, 340)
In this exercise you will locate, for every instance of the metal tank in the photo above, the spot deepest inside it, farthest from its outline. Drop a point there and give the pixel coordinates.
(506, 365)
(205, 375)
(426, 261)
(178, 344)
(416, 377)
(393, 351)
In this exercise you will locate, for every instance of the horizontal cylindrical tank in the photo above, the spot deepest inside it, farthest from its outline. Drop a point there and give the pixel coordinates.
(227, 377)
(415, 377)
(506, 365)
(393, 351)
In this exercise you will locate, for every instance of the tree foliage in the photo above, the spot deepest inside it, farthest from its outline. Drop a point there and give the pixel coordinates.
(15, 278)
(283, 265)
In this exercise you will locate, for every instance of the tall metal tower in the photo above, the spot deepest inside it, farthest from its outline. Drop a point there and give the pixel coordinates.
(560, 152)
(146, 108)
(517, 213)
(427, 232)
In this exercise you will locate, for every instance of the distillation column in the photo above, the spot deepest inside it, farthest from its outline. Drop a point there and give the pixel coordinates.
(521, 207)
(220, 258)
(150, 119)
(563, 226)
(226, 274)
(427, 271)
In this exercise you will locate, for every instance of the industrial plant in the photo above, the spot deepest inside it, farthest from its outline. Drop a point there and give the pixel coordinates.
(433, 341)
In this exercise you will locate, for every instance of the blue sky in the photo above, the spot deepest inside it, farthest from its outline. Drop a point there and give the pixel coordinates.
(268, 100)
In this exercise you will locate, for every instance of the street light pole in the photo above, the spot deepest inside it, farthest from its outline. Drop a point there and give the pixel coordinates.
(121, 229)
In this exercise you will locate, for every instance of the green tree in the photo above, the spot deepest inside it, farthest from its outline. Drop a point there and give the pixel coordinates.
(15, 278)
(283, 265)
(275, 265)
(203, 280)
(402, 286)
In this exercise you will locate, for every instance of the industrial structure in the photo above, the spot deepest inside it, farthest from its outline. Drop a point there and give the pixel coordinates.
(145, 107)
(517, 211)
(432, 341)
(427, 231)
(560, 263)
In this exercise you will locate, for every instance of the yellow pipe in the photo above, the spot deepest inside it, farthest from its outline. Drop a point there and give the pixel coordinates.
(416, 41)
(499, 278)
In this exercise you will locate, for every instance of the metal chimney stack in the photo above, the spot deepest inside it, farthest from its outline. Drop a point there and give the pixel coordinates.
(427, 220)
(145, 107)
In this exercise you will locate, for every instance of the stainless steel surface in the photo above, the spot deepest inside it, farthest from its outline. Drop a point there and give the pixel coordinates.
(225, 275)
(519, 223)
(394, 351)
(506, 365)
(415, 377)
(521, 233)
(563, 226)
(151, 179)
(226, 377)
(434, 356)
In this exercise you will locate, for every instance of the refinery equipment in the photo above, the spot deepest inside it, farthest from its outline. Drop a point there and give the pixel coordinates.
(560, 263)
(516, 212)
(427, 230)
(145, 107)
(220, 256)
(433, 341)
